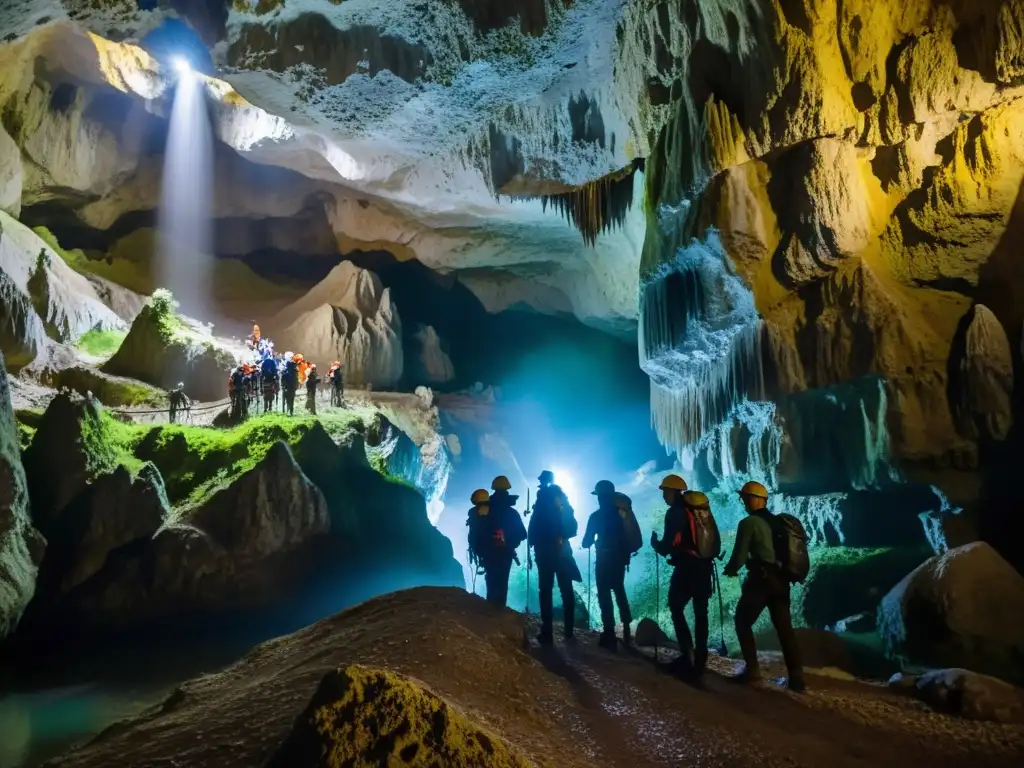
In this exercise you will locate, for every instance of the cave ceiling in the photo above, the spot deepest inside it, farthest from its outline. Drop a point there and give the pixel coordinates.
(433, 130)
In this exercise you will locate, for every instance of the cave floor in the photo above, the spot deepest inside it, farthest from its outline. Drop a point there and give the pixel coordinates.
(566, 706)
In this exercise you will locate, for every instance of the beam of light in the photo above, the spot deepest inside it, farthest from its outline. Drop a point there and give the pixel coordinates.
(567, 483)
(181, 65)
(185, 255)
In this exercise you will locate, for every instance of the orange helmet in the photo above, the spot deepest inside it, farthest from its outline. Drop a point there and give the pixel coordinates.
(336, 364)
(298, 357)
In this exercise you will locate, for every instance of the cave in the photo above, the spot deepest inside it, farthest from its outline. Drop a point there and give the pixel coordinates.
(299, 296)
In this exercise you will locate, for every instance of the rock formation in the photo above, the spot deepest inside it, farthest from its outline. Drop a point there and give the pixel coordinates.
(967, 694)
(21, 545)
(349, 317)
(985, 379)
(360, 715)
(957, 610)
(433, 364)
(41, 298)
(163, 349)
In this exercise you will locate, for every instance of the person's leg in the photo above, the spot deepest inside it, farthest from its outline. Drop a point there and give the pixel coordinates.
(700, 629)
(545, 583)
(678, 596)
(604, 599)
(568, 599)
(622, 601)
(782, 620)
(753, 600)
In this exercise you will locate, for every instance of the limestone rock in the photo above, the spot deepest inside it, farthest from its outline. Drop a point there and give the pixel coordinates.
(362, 715)
(41, 297)
(118, 508)
(985, 378)
(819, 648)
(10, 174)
(269, 510)
(163, 349)
(970, 695)
(958, 609)
(649, 634)
(347, 316)
(67, 453)
(434, 365)
(21, 545)
(123, 302)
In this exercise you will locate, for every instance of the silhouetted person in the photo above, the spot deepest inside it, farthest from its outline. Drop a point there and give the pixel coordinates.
(289, 383)
(606, 527)
(312, 381)
(552, 524)
(336, 376)
(178, 401)
(498, 531)
(691, 550)
(763, 587)
(237, 393)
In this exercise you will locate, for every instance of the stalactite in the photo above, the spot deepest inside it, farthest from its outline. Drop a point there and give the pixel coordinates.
(598, 206)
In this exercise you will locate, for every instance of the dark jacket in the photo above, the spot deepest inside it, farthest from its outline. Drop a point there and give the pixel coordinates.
(552, 524)
(605, 526)
(311, 381)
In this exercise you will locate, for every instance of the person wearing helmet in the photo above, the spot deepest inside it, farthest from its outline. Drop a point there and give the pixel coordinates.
(480, 499)
(178, 401)
(552, 524)
(692, 578)
(336, 377)
(236, 391)
(495, 539)
(312, 381)
(290, 383)
(605, 528)
(763, 587)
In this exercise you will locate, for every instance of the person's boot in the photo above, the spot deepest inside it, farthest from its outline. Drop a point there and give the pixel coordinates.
(751, 675)
(796, 684)
(627, 635)
(608, 641)
(546, 638)
(700, 662)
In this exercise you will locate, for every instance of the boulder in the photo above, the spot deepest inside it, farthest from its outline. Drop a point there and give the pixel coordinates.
(123, 302)
(433, 365)
(985, 379)
(10, 174)
(163, 349)
(117, 508)
(67, 453)
(649, 634)
(347, 316)
(967, 694)
(958, 609)
(362, 715)
(41, 298)
(819, 648)
(21, 545)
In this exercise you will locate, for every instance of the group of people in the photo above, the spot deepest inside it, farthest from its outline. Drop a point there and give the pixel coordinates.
(772, 549)
(269, 374)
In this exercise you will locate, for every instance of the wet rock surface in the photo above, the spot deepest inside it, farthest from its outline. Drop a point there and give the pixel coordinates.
(958, 609)
(570, 705)
(966, 693)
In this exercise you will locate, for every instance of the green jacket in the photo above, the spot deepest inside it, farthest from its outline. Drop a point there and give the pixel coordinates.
(753, 543)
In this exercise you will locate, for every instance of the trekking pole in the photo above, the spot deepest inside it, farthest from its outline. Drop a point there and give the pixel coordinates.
(657, 598)
(529, 560)
(590, 552)
(723, 651)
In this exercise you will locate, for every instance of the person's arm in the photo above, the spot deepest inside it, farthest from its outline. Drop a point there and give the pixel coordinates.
(664, 547)
(518, 528)
(741, 549)
(588, 537)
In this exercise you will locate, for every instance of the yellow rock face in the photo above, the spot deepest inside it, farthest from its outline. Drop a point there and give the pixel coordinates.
(861, 161)
(364, 716)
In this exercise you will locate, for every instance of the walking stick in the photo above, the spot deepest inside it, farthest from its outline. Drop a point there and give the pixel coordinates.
(590, 553)
(657, 594)
(723, 651)
(529, 560)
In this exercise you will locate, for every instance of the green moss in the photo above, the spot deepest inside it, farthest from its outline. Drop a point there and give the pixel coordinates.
(101, 343)
(195, 461)
(112, 391)
(27, 421)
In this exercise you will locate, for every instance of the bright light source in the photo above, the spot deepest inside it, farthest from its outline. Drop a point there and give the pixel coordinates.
(566, 482)
(182, 65)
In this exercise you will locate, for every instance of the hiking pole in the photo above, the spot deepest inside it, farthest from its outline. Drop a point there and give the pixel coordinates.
(657, 598)
(722, 650)
(590, 552)
(529, 559)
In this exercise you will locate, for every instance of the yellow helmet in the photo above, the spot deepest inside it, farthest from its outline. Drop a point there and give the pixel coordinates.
(696, 500)
(673, 482)
(501, 483)
(754, 488)
(480, 496)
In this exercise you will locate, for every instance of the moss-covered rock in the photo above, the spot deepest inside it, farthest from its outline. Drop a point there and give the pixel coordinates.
(161, 349)
(21, 546)
(362, 716)
(110, 390)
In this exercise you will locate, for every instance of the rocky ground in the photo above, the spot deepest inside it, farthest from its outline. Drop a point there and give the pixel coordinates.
(503, 703)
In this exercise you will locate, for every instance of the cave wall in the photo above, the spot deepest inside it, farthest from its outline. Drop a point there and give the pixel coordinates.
(852, 169)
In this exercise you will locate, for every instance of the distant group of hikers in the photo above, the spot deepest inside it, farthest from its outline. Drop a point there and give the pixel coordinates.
(771, 547)
(271, 374)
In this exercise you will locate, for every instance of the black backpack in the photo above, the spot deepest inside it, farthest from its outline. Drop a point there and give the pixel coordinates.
(632, 538)
(790, 539)
(707, 541)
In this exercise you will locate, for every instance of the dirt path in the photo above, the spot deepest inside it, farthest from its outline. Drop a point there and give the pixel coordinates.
(640, 716)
